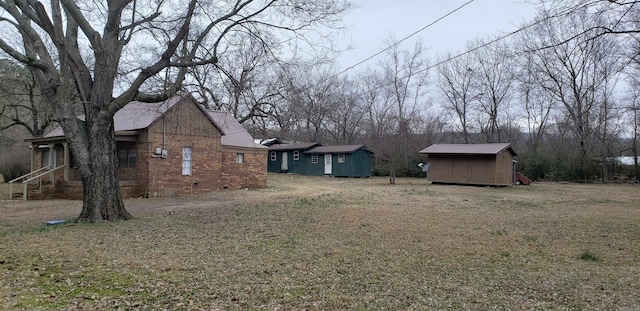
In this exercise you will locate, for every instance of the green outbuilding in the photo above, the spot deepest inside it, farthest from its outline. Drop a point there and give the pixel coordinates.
(290, 158)
(316, 160)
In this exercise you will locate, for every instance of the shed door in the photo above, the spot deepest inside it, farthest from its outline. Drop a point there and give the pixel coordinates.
(327, 164)
(284, 166)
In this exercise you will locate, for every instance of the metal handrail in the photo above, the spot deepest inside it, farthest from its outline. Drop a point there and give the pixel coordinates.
(25, 182)
(22, 177)
(27, 174)
(45, 173)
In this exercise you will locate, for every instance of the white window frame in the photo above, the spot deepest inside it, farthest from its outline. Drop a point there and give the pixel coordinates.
(314, 158)
(239, 158)
(187, 161)
(296, 155)
(273, 156)
(342, 158)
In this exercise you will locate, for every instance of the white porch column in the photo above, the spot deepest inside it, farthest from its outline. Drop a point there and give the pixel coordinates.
(33, 156)
(67, 161)
(51, 164)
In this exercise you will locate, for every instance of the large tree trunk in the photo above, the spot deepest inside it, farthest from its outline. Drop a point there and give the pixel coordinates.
(102, 197)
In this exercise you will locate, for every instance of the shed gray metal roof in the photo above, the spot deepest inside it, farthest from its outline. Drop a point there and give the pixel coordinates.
(292, 146)
(336, 149)
(468, 148)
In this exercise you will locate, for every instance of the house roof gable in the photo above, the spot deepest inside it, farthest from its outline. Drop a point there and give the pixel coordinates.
(468, 149)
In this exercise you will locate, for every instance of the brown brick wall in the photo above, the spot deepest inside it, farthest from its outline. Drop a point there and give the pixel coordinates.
(250, 174)
(165, 175)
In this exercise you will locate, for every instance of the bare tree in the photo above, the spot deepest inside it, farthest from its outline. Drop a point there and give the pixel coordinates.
(456, 81)
(615, 17)
(311, 96)
(378, 107)
(243, 82)
(20, 102)
(632, 109)
(128, 44)
(574, 73)
(496, 68)
(538, 105)
(345, 118)
(405, 76)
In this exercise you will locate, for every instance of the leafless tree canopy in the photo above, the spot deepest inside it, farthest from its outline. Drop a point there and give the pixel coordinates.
(104, 54)
(560, 89)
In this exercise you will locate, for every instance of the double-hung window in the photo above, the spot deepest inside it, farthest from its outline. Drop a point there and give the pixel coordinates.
(127, 157)
(186, 161)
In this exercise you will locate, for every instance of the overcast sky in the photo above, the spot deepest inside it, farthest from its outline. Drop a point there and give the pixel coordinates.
(372, 22)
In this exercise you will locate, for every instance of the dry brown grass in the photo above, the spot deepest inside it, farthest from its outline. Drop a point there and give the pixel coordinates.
(327, 243)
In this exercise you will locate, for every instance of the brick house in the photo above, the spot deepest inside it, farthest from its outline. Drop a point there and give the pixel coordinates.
(175, 147)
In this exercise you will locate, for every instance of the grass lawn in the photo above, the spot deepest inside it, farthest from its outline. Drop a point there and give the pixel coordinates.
(329, 243)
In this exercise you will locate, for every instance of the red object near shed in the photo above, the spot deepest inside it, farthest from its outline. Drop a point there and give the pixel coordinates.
(521, 179)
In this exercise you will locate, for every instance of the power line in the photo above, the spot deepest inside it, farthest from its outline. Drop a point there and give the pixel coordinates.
(403, 39)
(521, 29)
(497, 39)
(387, 48)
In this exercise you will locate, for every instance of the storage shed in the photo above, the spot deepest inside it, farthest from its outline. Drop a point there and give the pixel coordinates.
(471, 164)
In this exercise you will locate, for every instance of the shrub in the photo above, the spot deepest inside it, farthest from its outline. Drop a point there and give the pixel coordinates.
(589, 256)
(14, 162)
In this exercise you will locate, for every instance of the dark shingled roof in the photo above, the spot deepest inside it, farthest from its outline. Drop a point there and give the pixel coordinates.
(468, 148)
(294, 146)
(336, 149)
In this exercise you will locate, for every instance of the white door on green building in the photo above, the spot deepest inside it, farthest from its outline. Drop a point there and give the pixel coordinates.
(327, 164)
(284, 166)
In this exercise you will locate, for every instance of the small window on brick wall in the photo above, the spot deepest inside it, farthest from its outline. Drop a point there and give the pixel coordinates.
(239, 157)
(186, 161)
(314, 158)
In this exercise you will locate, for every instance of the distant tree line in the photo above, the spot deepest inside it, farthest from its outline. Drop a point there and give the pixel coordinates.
(564, 91)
